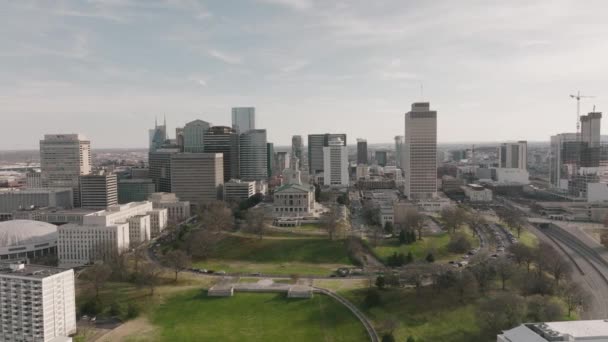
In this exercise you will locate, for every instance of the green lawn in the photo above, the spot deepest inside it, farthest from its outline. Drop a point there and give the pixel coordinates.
(437, 244)
(284, 256)
(192, 316)
(427, 316)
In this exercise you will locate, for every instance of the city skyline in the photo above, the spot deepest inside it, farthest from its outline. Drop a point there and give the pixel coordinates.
(67, 73)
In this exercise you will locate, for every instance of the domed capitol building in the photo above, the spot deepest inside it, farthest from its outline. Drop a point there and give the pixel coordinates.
(27, 239)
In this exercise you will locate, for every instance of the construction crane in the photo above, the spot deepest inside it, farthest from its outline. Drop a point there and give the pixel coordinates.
(578, 98)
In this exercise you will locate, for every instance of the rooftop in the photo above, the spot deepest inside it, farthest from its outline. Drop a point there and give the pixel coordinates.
(27, 270)
(590, 331)
(24, 232)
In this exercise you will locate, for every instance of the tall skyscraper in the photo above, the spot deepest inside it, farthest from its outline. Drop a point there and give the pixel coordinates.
(98, 191)
(362, 151)
(253, 155)
(335, 163)
(513, 155)
(590, 129)
(243, 119)
(316, 142)
(194, 135)
(420, 152)
(197, 177)
(381, 158)
(63, 159)
(160, 168)
(297, 147)
(282, 162)
(270, 159)
(565, 158)
(158, 135)
(399, 141)
(222, 139)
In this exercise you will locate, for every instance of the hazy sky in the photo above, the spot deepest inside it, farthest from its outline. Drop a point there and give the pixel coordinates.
(494, 70)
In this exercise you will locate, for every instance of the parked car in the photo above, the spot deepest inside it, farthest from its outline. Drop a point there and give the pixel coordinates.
(221, 272)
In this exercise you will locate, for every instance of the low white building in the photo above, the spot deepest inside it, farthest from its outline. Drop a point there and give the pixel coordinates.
(122, 213)
(38, 303)
(294, 200)
(511, 176)
(177, 210)
(79, 245)
(159, 219)
(477, 193)
(588, 331)
(238, 190)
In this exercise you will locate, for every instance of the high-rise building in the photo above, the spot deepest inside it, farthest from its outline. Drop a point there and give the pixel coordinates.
(399, 141)
(98, 191)
(381, 158)
(237, 190)
(297, 147)
(38, 302)
(362, 151)
(335, 163)
(270, 159)
(590, 129)
(253, 155)
(282, 162)
(197, 177)
(194, 135)
(135, 190)
(513, 155)
(316, 143)
(565, 158)
(243, 119)
(158, 136)
(63, 159)
(179, 138)
(420, 152)
(160, 168)
(224, 140)
(33, 180)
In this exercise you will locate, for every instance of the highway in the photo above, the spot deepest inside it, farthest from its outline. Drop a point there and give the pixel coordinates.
(590, 269)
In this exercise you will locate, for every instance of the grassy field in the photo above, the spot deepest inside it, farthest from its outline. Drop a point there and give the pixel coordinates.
(426, 317)
(280, 256)
(192, 316)
(436, 244)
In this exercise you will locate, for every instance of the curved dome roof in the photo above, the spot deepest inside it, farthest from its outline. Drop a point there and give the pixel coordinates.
(24, 232)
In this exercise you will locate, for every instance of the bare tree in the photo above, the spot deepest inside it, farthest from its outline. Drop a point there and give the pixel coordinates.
(178, 261)
(505, 270)
(97, 275)
(513, 218)
(215, 216)
(331, 222)
(255, 219)
(389, 325)
(575, 297)
(453, 218)
(139, 255)
(465, 284)
(484, 273)
(200, 243)
(522, 254)
(149, 277)
(414, 221)
(548, 259)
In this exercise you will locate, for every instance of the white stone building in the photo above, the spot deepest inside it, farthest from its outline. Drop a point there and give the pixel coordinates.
(177, 211)
(79, 245)
(573, 331)
(294, 200)
(38, 303)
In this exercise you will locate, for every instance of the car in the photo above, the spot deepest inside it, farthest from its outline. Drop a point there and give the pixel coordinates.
(452, 262)
(201, 270)
(501, 249)
(466, 256)
(210, 271)
(463, 263)
(494, 256)
(221, 272)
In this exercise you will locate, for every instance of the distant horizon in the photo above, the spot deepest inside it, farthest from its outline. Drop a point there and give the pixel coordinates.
(481, 143)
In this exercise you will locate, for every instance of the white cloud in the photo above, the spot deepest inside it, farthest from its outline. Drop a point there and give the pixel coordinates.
(298, 5)
(225, 57)
(295, 66)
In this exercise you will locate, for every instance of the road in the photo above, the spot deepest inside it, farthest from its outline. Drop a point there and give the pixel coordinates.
(591, 270)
